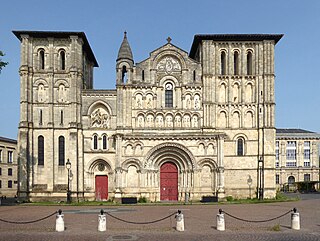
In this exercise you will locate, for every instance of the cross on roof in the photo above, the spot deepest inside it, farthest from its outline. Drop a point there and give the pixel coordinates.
(169, 39)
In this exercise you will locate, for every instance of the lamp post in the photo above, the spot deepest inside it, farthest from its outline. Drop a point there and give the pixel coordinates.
(68, 166)
(261, 176)
(249, 181)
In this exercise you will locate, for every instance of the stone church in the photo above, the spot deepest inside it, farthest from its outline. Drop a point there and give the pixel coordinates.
(179, 125)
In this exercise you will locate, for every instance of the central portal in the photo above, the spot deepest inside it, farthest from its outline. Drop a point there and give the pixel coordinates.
(169, 182)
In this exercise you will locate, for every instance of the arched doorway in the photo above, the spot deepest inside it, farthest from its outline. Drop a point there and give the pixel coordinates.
(291, 180)
(168, 182)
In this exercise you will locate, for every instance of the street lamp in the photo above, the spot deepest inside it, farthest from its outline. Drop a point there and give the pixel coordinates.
(261, 177)
(249, 181)
(68, 166)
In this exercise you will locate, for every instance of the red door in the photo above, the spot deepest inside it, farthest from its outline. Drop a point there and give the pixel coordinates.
(101, 188)
(168, 182)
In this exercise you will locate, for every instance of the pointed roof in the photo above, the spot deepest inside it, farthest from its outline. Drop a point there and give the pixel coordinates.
(125, 50)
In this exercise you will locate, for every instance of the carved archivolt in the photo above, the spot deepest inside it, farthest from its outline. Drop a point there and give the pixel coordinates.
(173, 152)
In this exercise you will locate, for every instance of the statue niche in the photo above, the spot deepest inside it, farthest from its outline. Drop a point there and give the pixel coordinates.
(100, 118)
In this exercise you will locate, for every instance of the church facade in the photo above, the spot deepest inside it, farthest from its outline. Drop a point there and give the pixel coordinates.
(178, 125)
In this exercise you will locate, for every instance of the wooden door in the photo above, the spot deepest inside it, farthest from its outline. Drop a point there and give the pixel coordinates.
(102, 188)
(168, 182)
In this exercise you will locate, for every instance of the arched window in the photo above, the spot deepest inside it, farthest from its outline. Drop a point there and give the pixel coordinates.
(40, 150)
(236, 63)
(95, 142)
(142, 75)
(223, 63)
(61, 151)
(249, 63)
(169, 95)
(240, 147)
(291, 180)
(104, 142)
(62, 56)
(194, 75)
(41, 59)
(124, 76)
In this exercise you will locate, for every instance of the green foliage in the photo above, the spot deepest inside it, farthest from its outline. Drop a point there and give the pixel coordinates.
(142, 200)
(276, 228)
(2, 64)
(229, 198)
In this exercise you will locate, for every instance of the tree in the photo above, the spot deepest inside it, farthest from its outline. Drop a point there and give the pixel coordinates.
(2, 64)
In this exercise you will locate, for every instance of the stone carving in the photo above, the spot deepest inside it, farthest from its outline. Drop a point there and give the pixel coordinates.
(99, 118)
(61, 93)
(169, 64)
(196, 103)
(149, 102)
(149, 121)
(169, 122)
(139, 103)
(186, 120)
(159, 121)
(178, 121)
(140, 121)
(41, 93)
(194, 121)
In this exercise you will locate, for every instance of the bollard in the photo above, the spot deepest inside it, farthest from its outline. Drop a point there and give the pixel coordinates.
(102, 226)
(60, 221)
(295, 220)
(220, 221)
(180, 221)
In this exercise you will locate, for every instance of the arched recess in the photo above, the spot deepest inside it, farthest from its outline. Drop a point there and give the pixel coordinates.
(132, 170)
(100, 178)
(100, 113)
(208, 174)
(98, 104)
(236, 119)
(171, 54)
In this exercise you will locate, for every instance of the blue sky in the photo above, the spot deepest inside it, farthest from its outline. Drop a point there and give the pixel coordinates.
(149, 23)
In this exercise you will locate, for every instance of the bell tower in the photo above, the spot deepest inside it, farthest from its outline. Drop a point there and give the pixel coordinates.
(125, 73)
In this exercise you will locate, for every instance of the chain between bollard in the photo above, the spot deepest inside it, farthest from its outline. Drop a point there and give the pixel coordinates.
(27, 222)
(254, 221)
(154, 221)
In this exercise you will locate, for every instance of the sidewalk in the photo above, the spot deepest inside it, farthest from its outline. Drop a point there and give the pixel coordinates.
(81, 222)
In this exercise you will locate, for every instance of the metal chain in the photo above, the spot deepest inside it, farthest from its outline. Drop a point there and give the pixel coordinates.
(155, 221)
(26, 222)
(257, 221)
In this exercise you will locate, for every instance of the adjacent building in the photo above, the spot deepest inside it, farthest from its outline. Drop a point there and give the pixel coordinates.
(8, 167)
(297, 158)
(178, 124)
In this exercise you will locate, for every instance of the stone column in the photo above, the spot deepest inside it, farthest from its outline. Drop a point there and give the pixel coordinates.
(221, 166)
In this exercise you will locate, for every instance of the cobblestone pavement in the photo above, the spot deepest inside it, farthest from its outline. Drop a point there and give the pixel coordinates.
(81, 222)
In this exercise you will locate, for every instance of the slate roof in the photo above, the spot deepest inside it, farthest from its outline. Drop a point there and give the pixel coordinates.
(292, 133)
(125, 50)
(8, 140)
(60, 34)
(231, 37)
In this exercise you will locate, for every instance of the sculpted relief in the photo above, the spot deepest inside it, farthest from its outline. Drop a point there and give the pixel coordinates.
(169, 64)
(100, 118)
